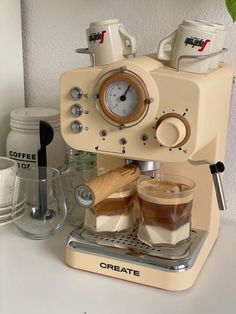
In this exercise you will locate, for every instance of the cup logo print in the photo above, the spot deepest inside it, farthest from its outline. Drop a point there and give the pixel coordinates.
(97, 36)
(197, 42)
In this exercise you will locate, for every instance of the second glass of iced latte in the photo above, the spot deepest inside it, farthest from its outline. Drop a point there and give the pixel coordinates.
(165, 204)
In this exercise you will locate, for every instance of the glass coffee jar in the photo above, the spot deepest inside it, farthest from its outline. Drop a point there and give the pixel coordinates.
(79, 167)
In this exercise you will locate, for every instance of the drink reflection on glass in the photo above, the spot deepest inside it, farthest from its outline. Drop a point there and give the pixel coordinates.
(165, 204)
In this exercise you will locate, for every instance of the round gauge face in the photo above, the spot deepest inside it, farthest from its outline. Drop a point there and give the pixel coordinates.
(121, 98)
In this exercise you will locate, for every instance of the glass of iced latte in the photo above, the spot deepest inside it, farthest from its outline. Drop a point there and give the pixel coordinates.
(113, 215)
(165, 205)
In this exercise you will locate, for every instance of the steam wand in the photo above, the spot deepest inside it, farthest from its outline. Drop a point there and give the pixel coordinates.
(216, 169)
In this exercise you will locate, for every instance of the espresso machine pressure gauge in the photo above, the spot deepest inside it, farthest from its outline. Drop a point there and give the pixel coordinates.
(123, 97)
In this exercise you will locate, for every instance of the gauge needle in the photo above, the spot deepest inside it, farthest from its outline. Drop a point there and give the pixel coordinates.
(123, 97)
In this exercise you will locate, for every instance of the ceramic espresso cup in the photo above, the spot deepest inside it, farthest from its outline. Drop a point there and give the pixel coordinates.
(219, 42)
(109, 41)
(8, 169)
(191, 39)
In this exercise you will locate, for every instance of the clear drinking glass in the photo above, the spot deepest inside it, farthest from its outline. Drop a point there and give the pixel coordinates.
(42, 202)
(113, 215)
(166, 206)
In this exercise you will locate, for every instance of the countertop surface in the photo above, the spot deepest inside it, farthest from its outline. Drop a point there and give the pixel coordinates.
(35, 280)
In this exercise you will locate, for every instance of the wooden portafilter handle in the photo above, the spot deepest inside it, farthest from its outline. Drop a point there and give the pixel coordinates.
(97, 189)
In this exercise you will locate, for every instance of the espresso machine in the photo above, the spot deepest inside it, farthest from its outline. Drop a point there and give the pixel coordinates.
(172, 120)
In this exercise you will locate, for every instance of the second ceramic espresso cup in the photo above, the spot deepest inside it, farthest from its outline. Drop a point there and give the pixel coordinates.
(219, 42)
(191, 39)
(109, 41)
(8, 169)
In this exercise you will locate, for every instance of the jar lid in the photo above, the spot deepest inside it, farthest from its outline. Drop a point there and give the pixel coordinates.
(28, 118)
(35, 114)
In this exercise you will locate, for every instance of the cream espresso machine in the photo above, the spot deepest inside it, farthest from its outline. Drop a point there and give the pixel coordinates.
(174, 119)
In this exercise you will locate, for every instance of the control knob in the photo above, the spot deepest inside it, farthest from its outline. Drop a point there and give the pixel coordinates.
(172, 130)
(76, 93)
(76, 126)
(76, 110)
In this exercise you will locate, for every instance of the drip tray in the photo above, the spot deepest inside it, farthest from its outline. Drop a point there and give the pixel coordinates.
(130, 249)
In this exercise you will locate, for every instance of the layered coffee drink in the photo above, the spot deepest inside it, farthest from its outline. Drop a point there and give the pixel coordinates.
(114, 214)
(165, 204)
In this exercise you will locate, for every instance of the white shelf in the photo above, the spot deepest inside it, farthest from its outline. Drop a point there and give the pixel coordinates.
(34, 279)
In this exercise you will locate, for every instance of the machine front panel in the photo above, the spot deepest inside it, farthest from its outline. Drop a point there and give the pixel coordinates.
(173, 97)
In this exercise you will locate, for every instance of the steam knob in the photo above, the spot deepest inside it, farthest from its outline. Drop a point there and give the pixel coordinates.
(171, 132)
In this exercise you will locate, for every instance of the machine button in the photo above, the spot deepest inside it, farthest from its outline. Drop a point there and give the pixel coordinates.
(76, 93)
(171, 132)
(123, 141)
(144, 137)
(103, 133)
(76, 126)
(76, 110)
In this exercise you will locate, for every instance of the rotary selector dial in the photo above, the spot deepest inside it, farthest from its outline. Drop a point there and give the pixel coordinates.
(172, 131)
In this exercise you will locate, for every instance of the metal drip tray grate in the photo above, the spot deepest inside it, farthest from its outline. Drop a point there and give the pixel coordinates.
(132, 243)
(129, 247)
